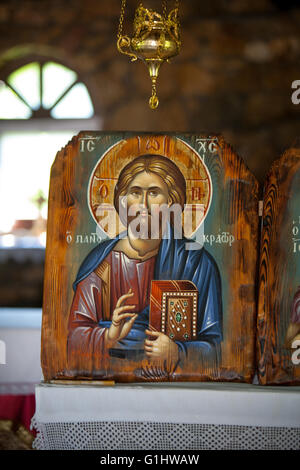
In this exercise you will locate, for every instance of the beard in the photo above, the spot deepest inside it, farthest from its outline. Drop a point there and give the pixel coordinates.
(144, 231)
(145, 226)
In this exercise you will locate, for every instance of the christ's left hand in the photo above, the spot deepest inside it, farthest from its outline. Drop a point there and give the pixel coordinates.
(161, 347)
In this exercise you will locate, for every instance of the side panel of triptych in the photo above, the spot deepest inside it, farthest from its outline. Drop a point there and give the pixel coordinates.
(278, 326)
(191, 287)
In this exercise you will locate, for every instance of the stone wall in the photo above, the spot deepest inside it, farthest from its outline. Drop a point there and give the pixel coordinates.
(21, 281)
(234, 74)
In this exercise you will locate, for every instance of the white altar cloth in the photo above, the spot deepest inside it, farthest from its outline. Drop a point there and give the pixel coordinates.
(196, 416)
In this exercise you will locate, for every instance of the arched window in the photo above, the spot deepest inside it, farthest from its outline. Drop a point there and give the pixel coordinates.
(44, 89)
(42, 105)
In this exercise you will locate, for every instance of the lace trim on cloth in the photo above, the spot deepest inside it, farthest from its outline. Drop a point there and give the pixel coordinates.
(161, 436)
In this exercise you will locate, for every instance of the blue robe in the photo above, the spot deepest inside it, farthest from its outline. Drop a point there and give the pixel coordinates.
(173, 262)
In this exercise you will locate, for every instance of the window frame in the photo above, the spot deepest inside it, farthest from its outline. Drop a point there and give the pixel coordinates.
(42, 121)
(44, 113)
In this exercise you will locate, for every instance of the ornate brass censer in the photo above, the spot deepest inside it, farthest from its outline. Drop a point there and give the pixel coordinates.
(156, 39)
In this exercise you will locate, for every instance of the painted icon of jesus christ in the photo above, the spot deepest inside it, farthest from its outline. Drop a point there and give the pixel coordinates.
(110, 310)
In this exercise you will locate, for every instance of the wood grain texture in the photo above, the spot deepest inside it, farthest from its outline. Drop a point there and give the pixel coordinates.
(238, 206)
(233, 210)
(279, 274)
(61, 217)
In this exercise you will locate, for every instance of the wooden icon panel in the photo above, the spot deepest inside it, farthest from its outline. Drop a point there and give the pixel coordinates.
(90, 265)
(278, 324)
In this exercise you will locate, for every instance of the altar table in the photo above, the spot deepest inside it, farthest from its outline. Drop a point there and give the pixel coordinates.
(159, 416)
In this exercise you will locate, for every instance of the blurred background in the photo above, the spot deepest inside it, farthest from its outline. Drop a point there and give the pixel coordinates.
(60, 72)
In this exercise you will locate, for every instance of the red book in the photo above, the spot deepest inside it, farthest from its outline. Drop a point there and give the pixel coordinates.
(173, 309)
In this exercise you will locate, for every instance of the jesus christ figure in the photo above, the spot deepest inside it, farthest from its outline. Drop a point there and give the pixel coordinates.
(110, 311)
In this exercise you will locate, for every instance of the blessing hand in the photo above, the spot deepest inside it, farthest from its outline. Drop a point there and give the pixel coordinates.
(120, 325)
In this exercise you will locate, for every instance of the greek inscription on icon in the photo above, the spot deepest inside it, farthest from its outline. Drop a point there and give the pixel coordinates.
(207, 144)
(88, 143)
(83, 238)
(296, 235)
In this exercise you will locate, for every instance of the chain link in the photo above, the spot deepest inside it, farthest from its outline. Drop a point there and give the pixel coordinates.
(120, 30)
(164, 9)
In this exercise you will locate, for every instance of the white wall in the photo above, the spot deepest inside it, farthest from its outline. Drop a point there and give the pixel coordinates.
(20, 332)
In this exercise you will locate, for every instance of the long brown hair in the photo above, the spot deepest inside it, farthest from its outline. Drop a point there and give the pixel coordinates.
(159, 165)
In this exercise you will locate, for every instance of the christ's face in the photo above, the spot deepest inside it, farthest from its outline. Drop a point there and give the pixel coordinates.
(145, 194)
(147, 189)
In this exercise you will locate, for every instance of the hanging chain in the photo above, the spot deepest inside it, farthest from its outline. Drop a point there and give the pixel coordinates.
(164, 9)
(124, 42)
(120, 31)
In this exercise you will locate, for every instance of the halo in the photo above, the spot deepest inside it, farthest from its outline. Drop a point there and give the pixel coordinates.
(106, 173)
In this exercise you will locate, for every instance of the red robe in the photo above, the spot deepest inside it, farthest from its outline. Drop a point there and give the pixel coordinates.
(87, 352)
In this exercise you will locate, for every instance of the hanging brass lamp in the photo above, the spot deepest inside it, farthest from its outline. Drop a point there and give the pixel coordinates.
(155, 40)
